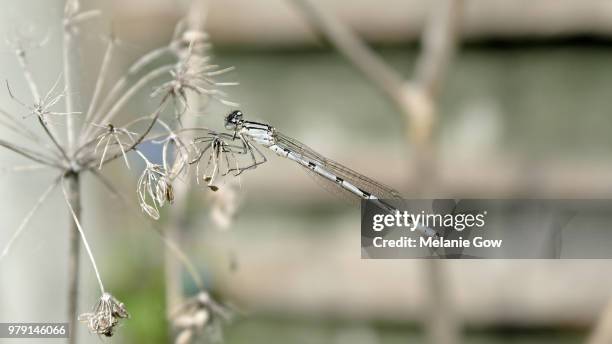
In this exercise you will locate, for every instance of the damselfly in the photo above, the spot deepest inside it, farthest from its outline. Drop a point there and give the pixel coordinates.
(354, 183)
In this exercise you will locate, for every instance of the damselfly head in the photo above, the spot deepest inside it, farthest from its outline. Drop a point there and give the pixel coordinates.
(233, 120)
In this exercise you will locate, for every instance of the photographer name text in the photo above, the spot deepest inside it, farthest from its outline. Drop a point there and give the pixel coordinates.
(436, 242)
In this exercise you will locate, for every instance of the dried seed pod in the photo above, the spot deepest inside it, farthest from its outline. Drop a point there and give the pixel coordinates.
(105, 316)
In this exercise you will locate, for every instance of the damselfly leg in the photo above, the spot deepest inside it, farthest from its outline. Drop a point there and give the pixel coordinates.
(219, 156)
(257, 157)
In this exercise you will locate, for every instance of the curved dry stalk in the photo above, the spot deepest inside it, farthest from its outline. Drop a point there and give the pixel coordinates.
(28, 217)
(57, 145)
(122, 83)
(129, 94)
(172, 246)
(100, 80)
(82, 233)
(73, 16)
(352, 47)
(147, 58)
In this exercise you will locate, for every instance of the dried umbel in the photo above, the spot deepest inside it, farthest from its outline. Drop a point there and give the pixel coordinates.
(105, 316)
(113, 136)
(194, 74)
(200, 315)
(42, 108)
(154, 189)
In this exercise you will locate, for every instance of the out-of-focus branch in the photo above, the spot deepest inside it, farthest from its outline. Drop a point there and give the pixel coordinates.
(413, 97)
(416, 100)
(353, 49)
(439, 42)
(438, 45)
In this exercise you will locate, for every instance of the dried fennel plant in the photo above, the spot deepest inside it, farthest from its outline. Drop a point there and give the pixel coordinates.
(93, 135)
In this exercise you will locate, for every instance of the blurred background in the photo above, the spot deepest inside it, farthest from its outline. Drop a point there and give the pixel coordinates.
(498, 99)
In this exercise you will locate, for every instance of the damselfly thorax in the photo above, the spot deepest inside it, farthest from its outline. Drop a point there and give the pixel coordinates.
(259, 133)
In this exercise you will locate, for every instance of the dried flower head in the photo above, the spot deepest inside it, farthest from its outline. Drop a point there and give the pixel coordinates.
(113, 136)
(105, 316)
(194, 73)
(42, 107)
(200, 315)
(154, 189)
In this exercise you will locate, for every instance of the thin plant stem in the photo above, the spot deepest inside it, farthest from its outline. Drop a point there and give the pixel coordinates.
(147, 58)
(73, 255)
(123, 82)
(75, 217)
(352, 47)
(69, 59)
(170, 244)
(129, 94)
(27, 218)
(100, 81)
(21, 58)
(54, 140)
(32, 155)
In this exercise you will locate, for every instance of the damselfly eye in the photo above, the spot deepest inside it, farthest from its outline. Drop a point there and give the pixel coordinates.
(233, 119)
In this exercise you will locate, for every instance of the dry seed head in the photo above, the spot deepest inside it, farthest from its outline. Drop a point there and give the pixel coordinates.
(42, 107)
(193, 73)
(154, 190)
(113, 136)
(105, 315)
